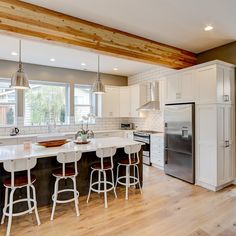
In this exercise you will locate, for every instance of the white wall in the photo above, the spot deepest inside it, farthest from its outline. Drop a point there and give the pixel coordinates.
(153, 120)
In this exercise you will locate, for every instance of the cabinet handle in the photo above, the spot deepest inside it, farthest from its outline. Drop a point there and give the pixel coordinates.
(226, 98)
(227, 143)
(178, 95)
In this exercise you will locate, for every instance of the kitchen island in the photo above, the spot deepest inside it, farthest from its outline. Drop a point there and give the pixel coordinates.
(46, 162)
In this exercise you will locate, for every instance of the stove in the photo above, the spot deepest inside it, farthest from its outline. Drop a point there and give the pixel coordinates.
(144, 136)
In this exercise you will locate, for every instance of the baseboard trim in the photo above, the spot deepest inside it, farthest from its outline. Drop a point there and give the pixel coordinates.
(212, 187)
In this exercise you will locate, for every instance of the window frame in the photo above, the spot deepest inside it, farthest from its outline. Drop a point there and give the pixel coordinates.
(67, 100)
(10, 103)
(92, 105)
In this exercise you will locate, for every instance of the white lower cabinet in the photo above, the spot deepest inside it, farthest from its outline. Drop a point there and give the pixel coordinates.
(215, 160)
(157, 150)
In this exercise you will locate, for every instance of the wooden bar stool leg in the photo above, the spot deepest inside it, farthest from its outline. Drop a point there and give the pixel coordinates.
(55, 197)
(75, 196)
(127, 183)
(105, 188)
(10, 212)
(28, 196)
(5, 205)
(35, 205)
(141, 191)
(113, 182)
(91, 179)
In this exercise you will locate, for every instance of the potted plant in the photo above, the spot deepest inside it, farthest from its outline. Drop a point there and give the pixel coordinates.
(85, 133)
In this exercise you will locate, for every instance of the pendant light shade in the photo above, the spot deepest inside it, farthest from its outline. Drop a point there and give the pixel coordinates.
(98, 87)
(20, 80)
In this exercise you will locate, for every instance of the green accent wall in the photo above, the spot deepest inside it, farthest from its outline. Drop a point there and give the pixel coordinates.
(225, 53)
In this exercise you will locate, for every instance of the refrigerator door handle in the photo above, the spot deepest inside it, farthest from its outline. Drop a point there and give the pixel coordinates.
(184, 132)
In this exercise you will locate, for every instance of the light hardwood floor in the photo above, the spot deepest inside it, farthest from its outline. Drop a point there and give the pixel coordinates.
(167, 207)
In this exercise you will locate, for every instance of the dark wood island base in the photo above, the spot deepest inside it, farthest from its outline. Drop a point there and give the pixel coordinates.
(45, 181)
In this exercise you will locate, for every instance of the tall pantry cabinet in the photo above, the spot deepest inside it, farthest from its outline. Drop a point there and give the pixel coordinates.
(215, 126)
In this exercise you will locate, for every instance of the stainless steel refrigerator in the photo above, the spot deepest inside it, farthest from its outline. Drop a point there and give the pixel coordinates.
(179, 141)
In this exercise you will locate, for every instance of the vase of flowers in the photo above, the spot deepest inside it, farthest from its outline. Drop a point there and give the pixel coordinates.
(84, 133)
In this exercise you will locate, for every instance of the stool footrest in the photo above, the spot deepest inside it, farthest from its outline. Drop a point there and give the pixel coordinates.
(102, 182)
(133, 178)
(6, 213)
(67, 200)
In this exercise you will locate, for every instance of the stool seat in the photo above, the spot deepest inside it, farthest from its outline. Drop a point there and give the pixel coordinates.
(106, 165)
(125, 161)
(69, 171)
(19, 181)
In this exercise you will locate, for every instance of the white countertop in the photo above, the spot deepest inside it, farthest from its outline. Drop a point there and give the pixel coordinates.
(14, 152)
(62, 133)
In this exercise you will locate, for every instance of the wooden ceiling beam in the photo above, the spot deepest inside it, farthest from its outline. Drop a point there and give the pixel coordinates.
(28, 20)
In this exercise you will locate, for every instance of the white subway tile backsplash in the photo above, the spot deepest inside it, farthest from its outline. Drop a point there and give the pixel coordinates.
(101, 124)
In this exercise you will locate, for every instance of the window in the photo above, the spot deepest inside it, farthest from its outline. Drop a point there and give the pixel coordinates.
(46, 103)
(84, 101)
(7, 104)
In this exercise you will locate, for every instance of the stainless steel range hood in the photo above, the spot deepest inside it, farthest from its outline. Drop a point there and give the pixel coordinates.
(154, 103)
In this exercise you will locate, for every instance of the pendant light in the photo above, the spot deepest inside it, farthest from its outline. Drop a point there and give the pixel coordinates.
(98, 87)
(20, 80)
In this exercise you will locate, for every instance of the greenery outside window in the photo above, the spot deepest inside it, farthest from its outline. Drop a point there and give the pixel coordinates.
(47, 103)
(7, 104)
(84, 101)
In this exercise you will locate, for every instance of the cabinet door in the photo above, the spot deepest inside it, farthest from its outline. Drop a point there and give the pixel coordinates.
(125, 105)
(111, 102)
(229, 143)
(172, 88)
(187, 87)
(225, 137)
(206, 84)
(228, 90)
(134, 100)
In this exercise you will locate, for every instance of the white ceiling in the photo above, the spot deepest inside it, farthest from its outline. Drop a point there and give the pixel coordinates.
(175, 22)
(40, 53)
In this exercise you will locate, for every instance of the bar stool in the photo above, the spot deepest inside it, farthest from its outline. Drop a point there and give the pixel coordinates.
(17, 182)
(101, 168)
(65, 173)
(131, 161)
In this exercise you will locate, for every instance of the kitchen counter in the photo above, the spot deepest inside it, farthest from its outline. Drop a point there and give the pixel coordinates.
(16, 152)
(46, 163)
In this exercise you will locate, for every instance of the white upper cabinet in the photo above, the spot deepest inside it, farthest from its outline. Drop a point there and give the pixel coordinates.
(180, 87)
(122, 101)
(215, 84)
(206, 84)
(125, 103)
(138, 97)
(109, 102)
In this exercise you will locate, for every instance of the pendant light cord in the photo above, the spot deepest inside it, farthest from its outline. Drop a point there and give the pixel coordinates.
(98, 67)
(20, 51)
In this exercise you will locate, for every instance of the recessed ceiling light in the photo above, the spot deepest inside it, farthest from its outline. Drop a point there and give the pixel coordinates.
(115, 68)
(208, 28)
(52, 59)
(14, 53)
(83, 64)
